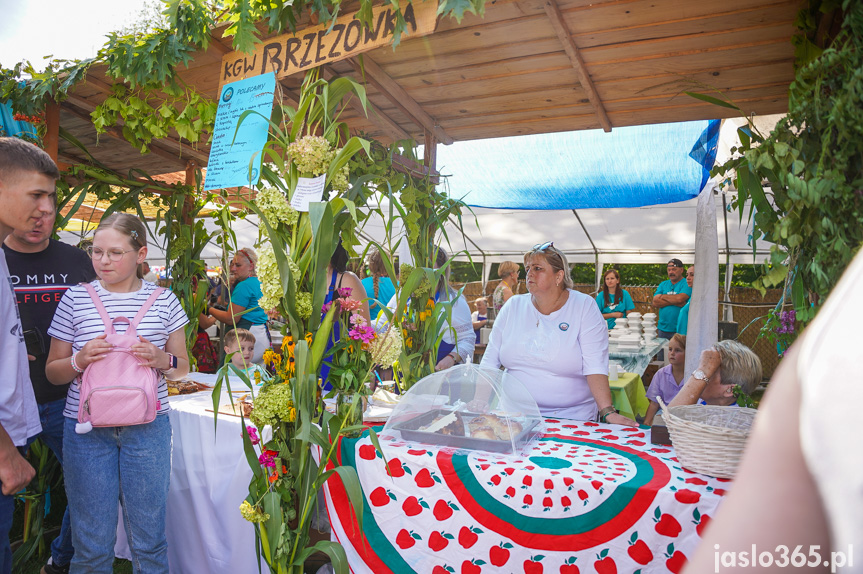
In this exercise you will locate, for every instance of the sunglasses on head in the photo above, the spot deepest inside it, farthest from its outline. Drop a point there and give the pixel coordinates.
(543, 246)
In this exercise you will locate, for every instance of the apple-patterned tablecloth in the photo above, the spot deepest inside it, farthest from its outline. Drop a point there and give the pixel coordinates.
(587, 497)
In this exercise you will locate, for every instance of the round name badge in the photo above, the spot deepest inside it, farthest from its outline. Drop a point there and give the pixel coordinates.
(563, 326)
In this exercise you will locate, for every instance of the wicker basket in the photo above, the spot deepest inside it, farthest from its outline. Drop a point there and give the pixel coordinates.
(709, 439)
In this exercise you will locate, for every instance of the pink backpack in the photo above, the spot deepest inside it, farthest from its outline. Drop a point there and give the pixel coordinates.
(116, 390)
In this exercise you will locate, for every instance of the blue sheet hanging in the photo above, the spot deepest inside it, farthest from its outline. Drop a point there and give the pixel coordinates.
(629, 167)
(10, 127)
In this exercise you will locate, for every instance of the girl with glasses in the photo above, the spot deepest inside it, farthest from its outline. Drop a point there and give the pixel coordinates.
(126, 464)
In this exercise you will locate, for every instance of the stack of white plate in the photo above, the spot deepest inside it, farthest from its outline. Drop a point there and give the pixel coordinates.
(648, 327)
(629, 342)
(633, 322)
(618, 331)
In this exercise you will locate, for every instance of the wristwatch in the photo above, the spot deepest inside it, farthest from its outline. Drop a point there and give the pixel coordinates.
(700, 375)
(172, 363)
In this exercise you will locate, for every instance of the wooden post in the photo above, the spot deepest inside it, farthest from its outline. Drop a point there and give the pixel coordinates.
(430, 151)
(52, 130)
(191, 168)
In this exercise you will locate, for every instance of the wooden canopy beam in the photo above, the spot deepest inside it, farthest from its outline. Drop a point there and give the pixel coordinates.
(381, 119)
(375, 75)
(569, 46)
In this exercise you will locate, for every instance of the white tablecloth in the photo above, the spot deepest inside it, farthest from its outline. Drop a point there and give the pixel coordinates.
(209, 479)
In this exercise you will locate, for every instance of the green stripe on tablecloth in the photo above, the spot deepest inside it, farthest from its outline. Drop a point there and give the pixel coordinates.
(378, 541)
(614, 505)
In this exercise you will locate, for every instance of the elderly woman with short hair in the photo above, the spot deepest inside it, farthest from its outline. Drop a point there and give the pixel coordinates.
(555, 341)
(727, 364)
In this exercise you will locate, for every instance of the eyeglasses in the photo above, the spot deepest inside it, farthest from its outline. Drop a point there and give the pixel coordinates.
(543, 246)
(113, 254)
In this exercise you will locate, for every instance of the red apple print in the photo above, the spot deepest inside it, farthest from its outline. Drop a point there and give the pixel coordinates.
(636, 435)
(582, 494)
(406, 539)
(604, 563)
(380, 496)
(443, 570)
(668, 526)
(527, 481)
(367, 452)
(611, 437)
(719, 491)
(695, 480)
(499, 555)
(438, 541)
(640, 552)
(603, 430)
(394, 467)
(424, 479)
(510, 491)
(567, 481)
(580, 433)
(547, 503)
(724, 479)
(661, 450)
(528, 499)
(565, 501)
(591, 424)
(596, 484)
(533, 566)
(635, 442)
(470, 567)
(702, 523)
(495, 479)
(442, 510)
(569, 567)
(417, 452)
(484, 466)
(687, 496)
(509, 470)
(467, 537)
(676, 559)
(549, 484)
(411, 506)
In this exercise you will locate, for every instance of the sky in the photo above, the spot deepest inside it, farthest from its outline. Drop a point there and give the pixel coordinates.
(68, 29)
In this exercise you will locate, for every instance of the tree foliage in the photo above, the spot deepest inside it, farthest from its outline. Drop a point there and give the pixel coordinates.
(812, 164)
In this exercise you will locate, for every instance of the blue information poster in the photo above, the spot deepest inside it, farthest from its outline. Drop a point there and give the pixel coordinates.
(230, 157)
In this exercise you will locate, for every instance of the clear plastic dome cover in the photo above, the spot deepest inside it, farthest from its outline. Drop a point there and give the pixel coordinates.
(467, 407)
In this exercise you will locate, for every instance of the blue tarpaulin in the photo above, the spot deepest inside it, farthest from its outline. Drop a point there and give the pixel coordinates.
(10, 127)
(629, 167)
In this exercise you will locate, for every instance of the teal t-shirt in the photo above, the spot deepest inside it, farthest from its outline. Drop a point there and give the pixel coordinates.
(668, 314)
(683, 319)
(246, 294)
(624, 306)
(386, 290)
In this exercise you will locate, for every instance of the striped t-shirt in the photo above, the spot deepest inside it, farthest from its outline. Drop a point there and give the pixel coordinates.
(77, 321)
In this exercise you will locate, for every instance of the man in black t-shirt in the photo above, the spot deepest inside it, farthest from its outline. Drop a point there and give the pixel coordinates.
(41, 270)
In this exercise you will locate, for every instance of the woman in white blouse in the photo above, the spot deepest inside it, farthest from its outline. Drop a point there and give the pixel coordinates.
(555, 341)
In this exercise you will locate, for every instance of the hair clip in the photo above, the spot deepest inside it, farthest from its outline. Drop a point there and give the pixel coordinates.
(134, 234)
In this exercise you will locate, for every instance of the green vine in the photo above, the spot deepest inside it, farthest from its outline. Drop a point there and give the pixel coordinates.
(147, 97)
(812, 164)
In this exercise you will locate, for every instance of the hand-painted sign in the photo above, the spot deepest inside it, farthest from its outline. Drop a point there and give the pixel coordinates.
(312, 47)
(236, 160)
